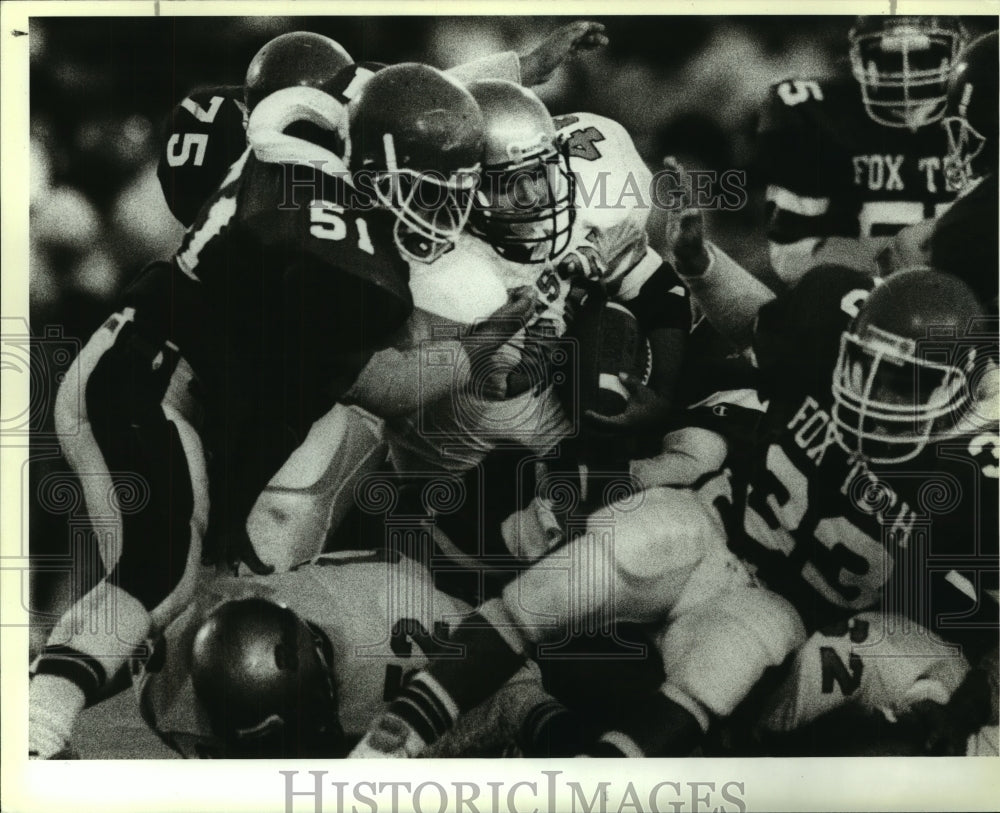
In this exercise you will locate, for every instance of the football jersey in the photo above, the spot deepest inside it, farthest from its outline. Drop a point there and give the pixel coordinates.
(965, 240)
(608, 245)
(206, 133)
(294, 285)
(381, 612)
(831, 170)
(836, 534)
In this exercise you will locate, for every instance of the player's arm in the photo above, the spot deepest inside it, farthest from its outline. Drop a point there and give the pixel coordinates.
(203, 136)
(712, 428)
(662, 307)
(728, 294)
(797, 185)
(422, 366)
(535, 66)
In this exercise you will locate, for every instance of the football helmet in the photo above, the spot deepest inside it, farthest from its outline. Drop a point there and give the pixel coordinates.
(525, 202)
(264, 678)
(903, 372)
(416, 142)
(971, 117)
(903, 65)
(297, 58)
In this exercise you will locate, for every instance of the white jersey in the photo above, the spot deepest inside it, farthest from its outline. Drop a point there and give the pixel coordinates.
(382, 614)
(608, 242)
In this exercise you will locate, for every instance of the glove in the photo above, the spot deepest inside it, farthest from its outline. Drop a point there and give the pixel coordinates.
(388, 737)
(645, 410)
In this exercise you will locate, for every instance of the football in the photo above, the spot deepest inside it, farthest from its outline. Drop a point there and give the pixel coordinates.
(607, 341)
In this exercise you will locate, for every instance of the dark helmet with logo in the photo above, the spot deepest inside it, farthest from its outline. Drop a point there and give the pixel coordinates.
(264, 678)
(903, 371)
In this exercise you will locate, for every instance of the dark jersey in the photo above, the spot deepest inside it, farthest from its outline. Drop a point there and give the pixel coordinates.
(290, 284)
(206, 133)
(965, 240)
(835, 534)
(831, 170)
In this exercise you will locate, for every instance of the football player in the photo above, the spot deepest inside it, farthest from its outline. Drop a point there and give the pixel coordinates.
(294, 664)
(188, 399)
(540, 222)
(871, 486)
(963, 241)
(205, 133)
(849, 163)
(557, 210)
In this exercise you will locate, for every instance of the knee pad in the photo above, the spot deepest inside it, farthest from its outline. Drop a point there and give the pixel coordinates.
(656, 531)
(716, 651)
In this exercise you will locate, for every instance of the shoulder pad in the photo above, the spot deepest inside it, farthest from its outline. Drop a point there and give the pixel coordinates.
(613, 183)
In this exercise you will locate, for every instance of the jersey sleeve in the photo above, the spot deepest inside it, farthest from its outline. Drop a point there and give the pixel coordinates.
(798, 176)
(962, 546)
(797, 335)
(613, 195)
(204, 135)
(662, 301)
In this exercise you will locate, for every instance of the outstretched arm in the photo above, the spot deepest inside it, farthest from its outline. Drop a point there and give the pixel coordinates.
(727, 293)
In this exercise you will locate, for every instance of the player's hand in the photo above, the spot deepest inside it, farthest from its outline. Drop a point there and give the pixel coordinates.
(645, 410)
(685, 228)
(489, 333)
(388, 737)
(562, 44)
(940, 733)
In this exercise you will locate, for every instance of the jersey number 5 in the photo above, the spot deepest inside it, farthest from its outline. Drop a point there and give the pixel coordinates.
(796, 91)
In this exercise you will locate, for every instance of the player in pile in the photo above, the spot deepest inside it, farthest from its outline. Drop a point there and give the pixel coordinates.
(869, 492)
(205, 133)
(845, 170)
(963, 240)
(556, 214)
(218, 362)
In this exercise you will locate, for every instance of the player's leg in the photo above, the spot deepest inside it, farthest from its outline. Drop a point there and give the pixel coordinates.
(631, 565)
(127, 420)
(314, 490)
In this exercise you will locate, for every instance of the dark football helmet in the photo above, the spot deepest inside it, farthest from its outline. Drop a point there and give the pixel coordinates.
(417, 141)
(903, 65)
(264, 678)
(297, 58)
(903, 372)
(971, 119)
(525, 203)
